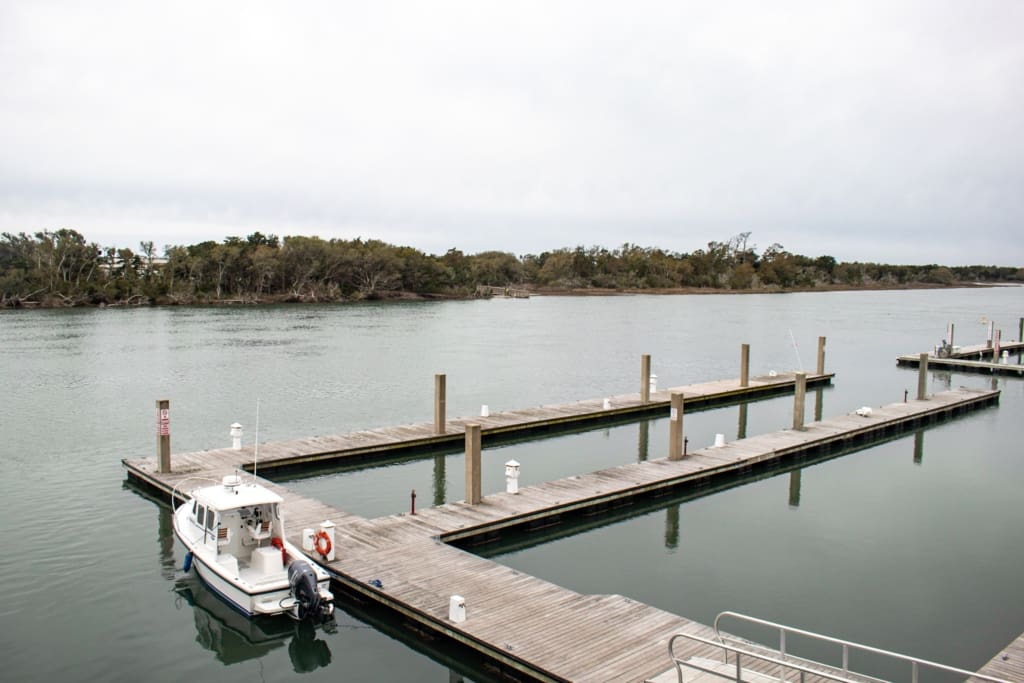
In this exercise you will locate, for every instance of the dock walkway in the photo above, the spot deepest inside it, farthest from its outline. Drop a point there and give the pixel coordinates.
(530, 627)
(390, 441)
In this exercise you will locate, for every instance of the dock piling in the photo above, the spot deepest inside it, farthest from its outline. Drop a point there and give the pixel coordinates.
(645, 378)
(821, 356)
(163, 435)
(799, 399)
(675, 428)
(473, 496)
(922, 377)
(745, 365)
(439, 403)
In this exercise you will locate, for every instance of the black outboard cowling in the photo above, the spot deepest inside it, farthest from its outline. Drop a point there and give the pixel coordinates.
(302, 580)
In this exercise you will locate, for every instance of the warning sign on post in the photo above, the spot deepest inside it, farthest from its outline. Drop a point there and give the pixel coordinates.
(163, 422)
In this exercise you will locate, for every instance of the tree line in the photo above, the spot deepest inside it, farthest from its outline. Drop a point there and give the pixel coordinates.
(61, 268)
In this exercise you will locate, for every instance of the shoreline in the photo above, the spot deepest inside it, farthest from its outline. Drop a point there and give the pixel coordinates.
(139, 302)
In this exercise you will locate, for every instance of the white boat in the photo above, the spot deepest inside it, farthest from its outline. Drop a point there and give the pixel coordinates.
(234, 535)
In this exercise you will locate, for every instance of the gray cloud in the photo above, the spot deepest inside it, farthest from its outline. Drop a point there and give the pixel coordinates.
(867, 130)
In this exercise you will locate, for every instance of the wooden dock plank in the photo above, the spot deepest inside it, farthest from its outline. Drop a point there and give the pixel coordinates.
(544, 630)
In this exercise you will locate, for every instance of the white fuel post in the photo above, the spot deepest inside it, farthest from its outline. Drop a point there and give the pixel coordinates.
(236, 436)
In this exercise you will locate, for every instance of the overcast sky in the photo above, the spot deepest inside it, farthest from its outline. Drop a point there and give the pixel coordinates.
(876, 131)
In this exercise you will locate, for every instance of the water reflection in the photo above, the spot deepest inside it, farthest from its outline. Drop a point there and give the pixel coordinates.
(918, 447)
(794, 488)
(440, 481)
(643, 440)
(234, 638)
(165, 535)
(672, 527)
(819, 402)
(741, 431)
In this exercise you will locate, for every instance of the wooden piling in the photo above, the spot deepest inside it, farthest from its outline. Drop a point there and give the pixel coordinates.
(821, 355)
(675, 428)
(1020, 330)
(645, 378)
(439, 403)
(922, 377)
(473, 495)
(951, 330)
(745, 365)
(799, 398)
(163, 435)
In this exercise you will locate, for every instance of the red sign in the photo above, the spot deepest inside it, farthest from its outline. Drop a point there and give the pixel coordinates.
(163, 422)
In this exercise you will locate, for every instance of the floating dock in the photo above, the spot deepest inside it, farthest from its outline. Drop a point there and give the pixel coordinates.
(528, 628)
(963, 365)
(388, 442)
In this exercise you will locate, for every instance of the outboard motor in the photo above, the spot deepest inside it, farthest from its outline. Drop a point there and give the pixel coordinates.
(302, 580)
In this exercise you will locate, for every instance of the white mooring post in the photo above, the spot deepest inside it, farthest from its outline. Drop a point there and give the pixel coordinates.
(457, 609)
(512, 476)
(236, 436)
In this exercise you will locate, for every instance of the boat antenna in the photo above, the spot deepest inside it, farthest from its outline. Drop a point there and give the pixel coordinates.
(256, 448)
(797, 349)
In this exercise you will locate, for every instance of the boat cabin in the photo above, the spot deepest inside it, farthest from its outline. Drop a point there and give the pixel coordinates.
(238, 522)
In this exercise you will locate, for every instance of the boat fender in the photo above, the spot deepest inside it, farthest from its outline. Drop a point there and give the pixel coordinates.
(188, 562)
(322, 543)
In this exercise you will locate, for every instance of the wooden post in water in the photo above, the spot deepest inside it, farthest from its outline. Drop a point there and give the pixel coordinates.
(799, 397)
(1020, 331)
(473, 464)
(439, 403)
(645, 378)
(922, 377)
(951, 330)
(675, 428)
(821, 355)
(163, 436)
(744, 365)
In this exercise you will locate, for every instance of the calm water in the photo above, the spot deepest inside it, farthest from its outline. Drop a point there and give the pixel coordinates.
(913, 545)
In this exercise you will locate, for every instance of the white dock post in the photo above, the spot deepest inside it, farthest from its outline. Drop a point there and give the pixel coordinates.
(236, 436)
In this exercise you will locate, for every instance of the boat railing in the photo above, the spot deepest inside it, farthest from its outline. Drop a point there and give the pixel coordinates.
(786, 661)
(176, 495)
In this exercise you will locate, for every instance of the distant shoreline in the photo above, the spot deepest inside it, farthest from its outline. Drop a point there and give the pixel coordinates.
(398, 296)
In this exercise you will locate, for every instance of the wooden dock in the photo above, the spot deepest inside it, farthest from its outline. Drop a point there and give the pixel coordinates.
(391, 441)
(964, 365)
(529, 628)
(1008, 664)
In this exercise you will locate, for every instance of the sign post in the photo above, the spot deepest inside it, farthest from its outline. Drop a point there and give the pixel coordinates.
(163, 435)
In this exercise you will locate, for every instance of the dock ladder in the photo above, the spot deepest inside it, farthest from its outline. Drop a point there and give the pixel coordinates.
(776, 664)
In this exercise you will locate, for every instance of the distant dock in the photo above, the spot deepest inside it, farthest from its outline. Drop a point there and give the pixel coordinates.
(382, 443)
(529, 628)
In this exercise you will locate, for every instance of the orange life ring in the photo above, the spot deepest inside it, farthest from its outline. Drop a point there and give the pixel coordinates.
(322, 543)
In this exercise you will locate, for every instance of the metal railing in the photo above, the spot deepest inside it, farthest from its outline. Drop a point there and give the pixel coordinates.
(744, 648)
(792, 664)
